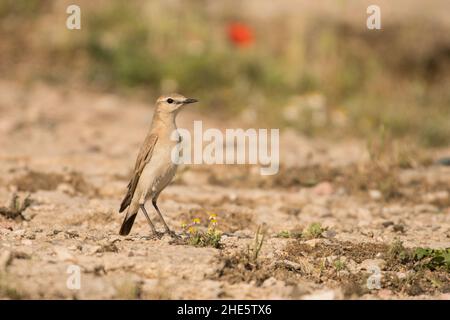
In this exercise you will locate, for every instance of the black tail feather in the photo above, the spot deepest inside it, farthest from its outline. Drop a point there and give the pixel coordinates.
(127, 224)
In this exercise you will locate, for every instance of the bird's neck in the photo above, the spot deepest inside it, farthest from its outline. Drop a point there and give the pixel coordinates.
(164, 121)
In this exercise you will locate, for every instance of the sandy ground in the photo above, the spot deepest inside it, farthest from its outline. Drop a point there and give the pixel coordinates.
(71, 154)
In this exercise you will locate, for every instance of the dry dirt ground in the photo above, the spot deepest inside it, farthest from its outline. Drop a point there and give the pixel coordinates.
(64, 164)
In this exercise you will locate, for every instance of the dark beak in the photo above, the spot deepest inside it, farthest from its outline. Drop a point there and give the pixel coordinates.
(189, 100)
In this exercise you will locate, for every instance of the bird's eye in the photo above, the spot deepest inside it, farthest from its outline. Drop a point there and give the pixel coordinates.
(170, 100)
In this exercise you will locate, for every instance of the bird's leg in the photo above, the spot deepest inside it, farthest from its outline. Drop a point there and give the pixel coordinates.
(152, 226)
(164, 222)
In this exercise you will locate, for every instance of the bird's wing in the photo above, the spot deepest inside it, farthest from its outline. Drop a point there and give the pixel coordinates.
(144, 156)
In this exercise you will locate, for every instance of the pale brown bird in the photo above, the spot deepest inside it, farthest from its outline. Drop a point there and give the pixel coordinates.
(154, 168)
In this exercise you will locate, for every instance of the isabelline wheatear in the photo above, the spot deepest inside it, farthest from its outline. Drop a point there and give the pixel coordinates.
(154, 168)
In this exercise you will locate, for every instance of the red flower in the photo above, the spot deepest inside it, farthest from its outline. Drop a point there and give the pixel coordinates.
(240, 34)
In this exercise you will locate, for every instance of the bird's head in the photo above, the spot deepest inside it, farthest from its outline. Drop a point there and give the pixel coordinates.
(172, 103)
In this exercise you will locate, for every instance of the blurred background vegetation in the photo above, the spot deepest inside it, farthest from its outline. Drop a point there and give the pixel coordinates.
(311, 66)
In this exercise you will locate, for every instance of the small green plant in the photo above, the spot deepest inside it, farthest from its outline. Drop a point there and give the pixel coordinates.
(432, 258)
(284, 234)
(199, 238)
(16, 207)
(397, 252)
(314, 231)
(254, 250)
(423, 258)
(289, 234)
(339, 265)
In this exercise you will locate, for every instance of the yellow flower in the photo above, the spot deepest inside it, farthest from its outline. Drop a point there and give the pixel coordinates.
(192, 230)
(196, 220)
(212, 216)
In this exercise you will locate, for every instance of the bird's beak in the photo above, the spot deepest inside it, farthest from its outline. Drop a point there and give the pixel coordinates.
(189, 100)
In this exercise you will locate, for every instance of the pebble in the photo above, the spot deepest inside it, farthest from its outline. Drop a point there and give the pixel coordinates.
(370, 264)
(367, 233)
(323, 189)
(63, 254)
(387, 224)
(27, 242)
(270, 282)
(66, 188)
(375, 194)
(399, 228)
(329, 234)
(313, 242)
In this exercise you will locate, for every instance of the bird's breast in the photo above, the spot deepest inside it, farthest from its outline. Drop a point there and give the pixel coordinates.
(159, 171)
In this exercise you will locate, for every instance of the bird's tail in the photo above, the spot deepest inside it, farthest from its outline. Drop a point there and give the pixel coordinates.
(127, 223)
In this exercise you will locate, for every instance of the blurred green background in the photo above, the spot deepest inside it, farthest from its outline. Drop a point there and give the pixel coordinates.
(312, 66)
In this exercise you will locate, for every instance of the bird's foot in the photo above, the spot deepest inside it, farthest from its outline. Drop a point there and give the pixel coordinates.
(173, 234)
(156, 235)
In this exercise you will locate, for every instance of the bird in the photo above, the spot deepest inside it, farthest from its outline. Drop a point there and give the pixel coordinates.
(154, 168)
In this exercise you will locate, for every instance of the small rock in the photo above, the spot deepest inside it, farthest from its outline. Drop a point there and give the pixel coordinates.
(387, 224)
(313, 242)
(270, 282)
(401, 275)
(72, 233)
(367, 233)
(351, 266)
(370, 264)
(329, 234)
(63, 254)
(293, 211)
(445, 161)
(399, 228)
(66, 188)
(323, 189)
(343, 273)
(27, 242)
(375, 195)
(109, 247)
